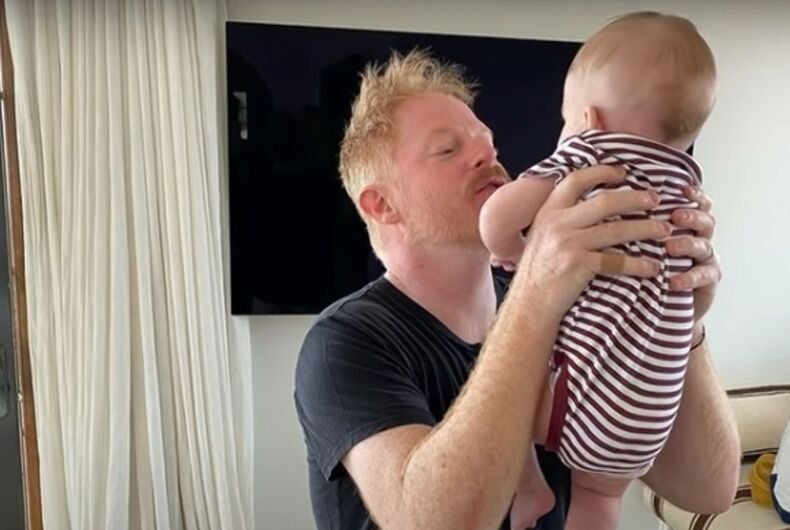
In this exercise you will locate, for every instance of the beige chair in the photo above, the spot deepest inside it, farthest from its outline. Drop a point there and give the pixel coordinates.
(762, 414)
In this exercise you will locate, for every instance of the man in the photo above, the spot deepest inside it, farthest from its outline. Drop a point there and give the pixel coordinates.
(380, 369)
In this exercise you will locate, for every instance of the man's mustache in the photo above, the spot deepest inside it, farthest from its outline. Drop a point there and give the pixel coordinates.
(495, 172)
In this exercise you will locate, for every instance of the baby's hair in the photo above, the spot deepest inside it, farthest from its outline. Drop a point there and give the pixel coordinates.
(679, 46)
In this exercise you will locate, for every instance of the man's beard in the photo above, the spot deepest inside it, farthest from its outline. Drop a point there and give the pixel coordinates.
(445, 229)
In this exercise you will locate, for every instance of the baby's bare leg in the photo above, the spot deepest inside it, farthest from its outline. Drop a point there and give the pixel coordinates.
(595, 501)
(533, 497)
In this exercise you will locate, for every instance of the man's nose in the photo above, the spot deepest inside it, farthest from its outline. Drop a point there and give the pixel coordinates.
(484, 153)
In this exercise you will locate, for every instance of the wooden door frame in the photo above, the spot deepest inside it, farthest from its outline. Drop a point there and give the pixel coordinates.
(16, 268)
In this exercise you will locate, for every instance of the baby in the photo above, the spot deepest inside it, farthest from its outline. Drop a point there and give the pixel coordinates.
(636, 95)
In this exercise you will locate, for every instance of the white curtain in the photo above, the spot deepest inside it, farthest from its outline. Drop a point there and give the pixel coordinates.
(141, 381)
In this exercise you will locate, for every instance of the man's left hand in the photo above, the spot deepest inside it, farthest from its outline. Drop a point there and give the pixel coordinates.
(704, 277)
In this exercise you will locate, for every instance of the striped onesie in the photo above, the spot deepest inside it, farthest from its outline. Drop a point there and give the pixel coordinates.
(621, 353)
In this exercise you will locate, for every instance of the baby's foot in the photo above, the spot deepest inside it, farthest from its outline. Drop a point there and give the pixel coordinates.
(529, 505)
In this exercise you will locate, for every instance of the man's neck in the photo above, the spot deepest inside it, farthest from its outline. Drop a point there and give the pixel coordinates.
(454, 285)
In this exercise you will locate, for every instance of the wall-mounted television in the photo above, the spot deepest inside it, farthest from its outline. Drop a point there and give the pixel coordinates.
(297, 243)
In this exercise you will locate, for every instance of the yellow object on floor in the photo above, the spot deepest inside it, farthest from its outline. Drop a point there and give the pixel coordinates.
(760, 480)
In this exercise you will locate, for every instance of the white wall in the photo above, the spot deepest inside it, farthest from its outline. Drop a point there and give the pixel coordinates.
(281, 494)
(743, 150)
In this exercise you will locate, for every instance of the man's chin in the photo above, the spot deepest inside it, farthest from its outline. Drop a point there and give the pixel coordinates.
(457, 234)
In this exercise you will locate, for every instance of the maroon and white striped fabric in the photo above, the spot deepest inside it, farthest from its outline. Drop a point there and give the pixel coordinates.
(622, 350)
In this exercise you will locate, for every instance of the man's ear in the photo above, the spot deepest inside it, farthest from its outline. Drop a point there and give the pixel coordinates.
(593, 118)
(376, 205)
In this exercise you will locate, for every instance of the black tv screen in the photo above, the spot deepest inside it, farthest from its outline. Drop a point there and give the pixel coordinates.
(297, 243)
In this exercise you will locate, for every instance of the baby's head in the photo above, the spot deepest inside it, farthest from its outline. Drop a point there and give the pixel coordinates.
(645, 73)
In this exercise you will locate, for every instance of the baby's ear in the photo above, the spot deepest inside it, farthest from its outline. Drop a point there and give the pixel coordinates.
(593, 118)
(374, 202)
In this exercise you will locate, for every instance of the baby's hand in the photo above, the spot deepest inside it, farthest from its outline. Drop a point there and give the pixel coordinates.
(507, 264)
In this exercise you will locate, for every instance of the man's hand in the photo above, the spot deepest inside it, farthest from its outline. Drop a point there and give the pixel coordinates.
(698, 468)
(564, 244)
(706, 274)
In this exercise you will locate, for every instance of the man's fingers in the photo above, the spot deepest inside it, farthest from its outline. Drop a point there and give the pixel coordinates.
(704, 202)
(603, 205)
(612, 263)
(618, 232)
(569, 191)
(696, 277)
(697, 248)
(615, 264)
(701, 222)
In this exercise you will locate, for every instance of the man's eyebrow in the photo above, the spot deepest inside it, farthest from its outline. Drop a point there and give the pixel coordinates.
(439, 131)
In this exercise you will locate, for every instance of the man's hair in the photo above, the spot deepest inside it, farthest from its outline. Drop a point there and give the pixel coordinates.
(680, 47)
(366, 149)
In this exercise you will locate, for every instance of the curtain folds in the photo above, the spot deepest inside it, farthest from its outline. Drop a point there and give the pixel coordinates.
(142, 382)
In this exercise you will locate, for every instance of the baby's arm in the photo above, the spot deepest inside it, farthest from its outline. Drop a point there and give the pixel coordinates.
(507, 212)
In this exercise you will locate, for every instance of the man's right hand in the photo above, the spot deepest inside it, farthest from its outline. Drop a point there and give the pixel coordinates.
(564, 245)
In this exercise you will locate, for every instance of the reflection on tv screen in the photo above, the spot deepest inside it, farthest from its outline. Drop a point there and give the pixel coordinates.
(297, 243)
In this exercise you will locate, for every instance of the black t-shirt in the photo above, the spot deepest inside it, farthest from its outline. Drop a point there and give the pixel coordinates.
(373, 361)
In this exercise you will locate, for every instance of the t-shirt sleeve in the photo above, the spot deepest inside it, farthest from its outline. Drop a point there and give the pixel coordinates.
(572, 154)
(349, 387)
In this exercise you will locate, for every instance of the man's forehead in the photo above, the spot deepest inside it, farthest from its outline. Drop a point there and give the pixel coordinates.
(436, 114)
